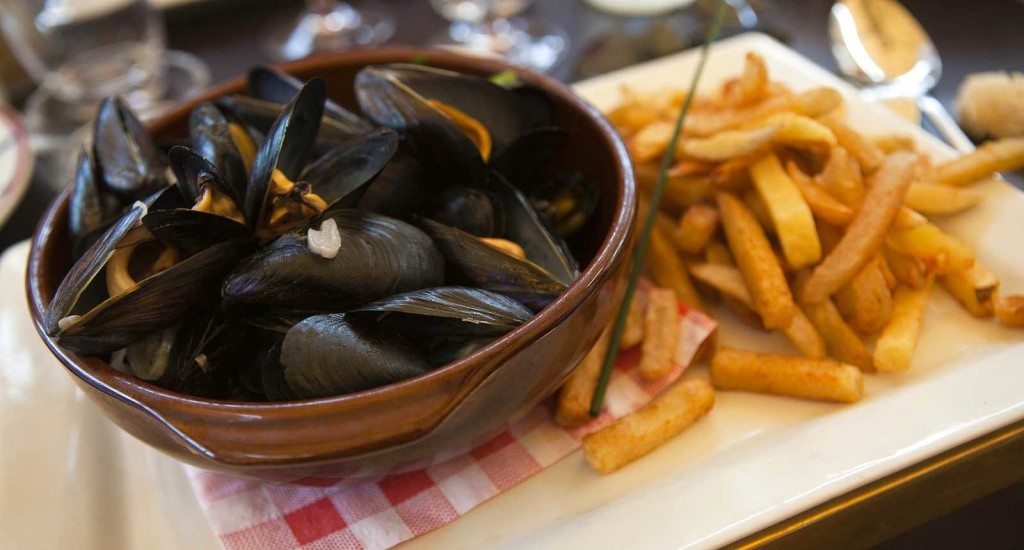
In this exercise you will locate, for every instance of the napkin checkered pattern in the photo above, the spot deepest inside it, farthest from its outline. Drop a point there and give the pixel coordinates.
(381, 512)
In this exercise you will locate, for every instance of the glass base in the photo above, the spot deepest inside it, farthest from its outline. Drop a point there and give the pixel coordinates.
(527, 42)
(58, 127)
(339, 29)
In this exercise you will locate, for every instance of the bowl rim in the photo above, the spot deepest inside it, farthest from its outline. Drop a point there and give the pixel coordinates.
(135, 392)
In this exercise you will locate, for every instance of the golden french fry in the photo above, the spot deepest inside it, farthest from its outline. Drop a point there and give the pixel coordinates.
(868, 155)
(633, 333)
(936, 199)
(760, 210)
(867, 231)
(907, 270)
(639, 433)
(974, 289)
(1009, 309)
(668, 270)
(574, 398)
(817, 379)
(995, 156)
(823, 205)
(757, 262)
(631, 116)
(805, 337)
(887, 274)
(661, 334)
(732, 175)
(728, 144)
(751, 86)
(726, 279)
(812, 103)
(799, 131)
(842, 178)
(716, 252)
(866, 302)
(908, 219)
(650, 141)
(840, 340)
(743, 308)
(688, 167)
(696, 227)
(936, 249)
(895, 346)
(790, 214)
(891, 143)
(680, 191)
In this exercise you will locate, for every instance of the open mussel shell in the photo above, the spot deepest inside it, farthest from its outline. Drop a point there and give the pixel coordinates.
(521, 162)
(274, 86)
(379, 256)
(259, 116)
(566, 202)
(524, 227)
(327, 355)
(287, 146)
(340, 176)
(473, 262)
(89, 206)
(431, 135)
(212, 138)
(402, 188)
(472, 210)
(191, 231)
(128, 159)
(194, 172)
(447, 311)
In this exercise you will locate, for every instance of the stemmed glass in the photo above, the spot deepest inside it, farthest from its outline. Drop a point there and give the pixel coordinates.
(490, 27)
(333, 26)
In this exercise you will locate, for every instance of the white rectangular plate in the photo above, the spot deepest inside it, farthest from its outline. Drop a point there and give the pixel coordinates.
(757, 460)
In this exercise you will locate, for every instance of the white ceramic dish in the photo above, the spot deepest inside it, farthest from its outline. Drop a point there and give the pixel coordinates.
(15, 161)
(754, 461)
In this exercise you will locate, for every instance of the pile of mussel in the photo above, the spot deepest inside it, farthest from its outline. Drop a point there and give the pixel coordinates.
(289, 248)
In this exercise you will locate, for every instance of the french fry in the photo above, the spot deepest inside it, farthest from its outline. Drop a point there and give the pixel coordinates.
(868, 155)
(1009, 309)
(650, 141)
(633, 333)
(688, 167)
(866, 302)
(751, 86)
(732, 175)
(790, 214)
(756, 260)
(696, 227)
(936, 249)
(936, 199)
(668, 270)
(842, 178)
(805, 337)
(726, 279)
(907, 270)
(887, 274)
(816, 379)
(728, 144)
(680, 191)
(716, 252)
(799, 131)
(578, 390)
(867, 231)
(840, 340)
(895, 347)
(995, 156)
(637, 434)
(661, 334)
(823, 205)
(632, 115)
(891, 143)
(908, 219)
(974, 289)
(759, 209)
(812, 103)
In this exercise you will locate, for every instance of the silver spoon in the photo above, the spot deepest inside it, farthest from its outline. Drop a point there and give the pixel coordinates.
(880, 45)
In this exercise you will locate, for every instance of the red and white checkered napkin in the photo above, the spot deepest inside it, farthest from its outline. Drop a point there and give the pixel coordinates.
(382, 512)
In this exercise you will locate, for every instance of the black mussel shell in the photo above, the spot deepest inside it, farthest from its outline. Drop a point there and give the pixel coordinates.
(521, 162)
(326, 355)
(472, 210)
(274, 86)
(446, 311)
(287, 146)
(379, 256)
(128, 159)
(211, 136)
(153, 304)
(402, 188)
(89, 206)
(259, 117)
(191, 231)
(340, 176)
(194, 172)
(566, 202)
(473, 262)
(524, 227)
(442, 351)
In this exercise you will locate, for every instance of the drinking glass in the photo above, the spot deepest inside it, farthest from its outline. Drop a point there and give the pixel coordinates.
(80, 51)
(333, 26)
(490, 27)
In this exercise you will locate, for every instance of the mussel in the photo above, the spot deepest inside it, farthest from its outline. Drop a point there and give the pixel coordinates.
(128, 159)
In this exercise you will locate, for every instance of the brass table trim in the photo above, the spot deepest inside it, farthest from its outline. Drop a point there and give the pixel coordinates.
(901, 501)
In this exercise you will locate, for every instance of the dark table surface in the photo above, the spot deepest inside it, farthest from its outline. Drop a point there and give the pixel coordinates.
(971, 36)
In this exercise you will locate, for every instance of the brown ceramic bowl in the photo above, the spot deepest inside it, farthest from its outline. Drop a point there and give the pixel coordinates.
(401, 424)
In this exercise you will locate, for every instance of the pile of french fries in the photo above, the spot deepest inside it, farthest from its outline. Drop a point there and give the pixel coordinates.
(798, 223)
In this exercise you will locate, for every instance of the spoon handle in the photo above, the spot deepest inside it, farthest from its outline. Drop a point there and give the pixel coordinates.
(944, 123)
